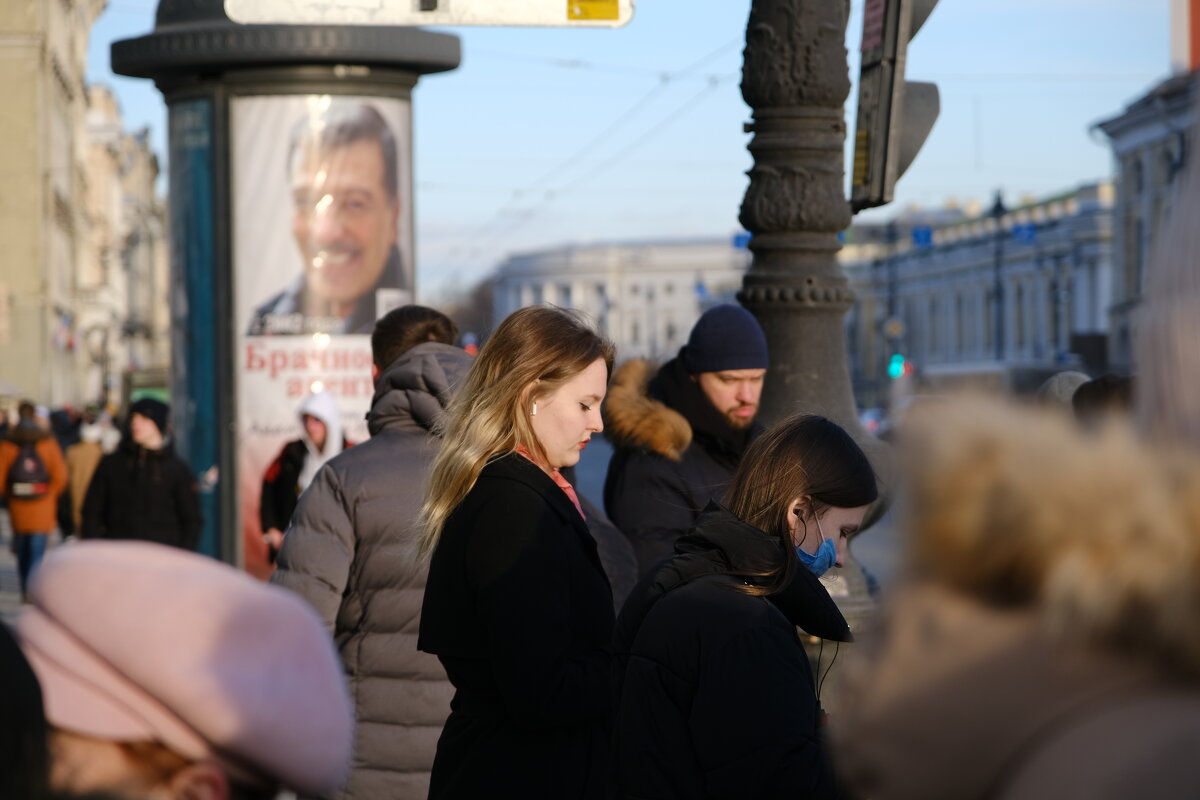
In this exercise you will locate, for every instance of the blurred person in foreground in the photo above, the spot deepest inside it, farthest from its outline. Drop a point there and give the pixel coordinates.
(351, 553)
(716, 696)
(678, 433)
(170, 676)
(24, 757)
(296, 465)
(32, 476)
(143, 490)
(517, 605)
(1044, 644)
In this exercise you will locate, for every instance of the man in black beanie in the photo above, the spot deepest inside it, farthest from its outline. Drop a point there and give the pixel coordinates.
(143, 490)
(680, 433)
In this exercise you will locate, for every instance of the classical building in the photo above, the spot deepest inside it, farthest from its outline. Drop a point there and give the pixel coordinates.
(43, 151)
(82, 274)
(124, 317)
(1000, 299)
(643, 296)
(1150, 142)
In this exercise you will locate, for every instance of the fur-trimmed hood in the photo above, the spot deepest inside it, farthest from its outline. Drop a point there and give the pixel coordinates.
(1053, 576)
(633, 419)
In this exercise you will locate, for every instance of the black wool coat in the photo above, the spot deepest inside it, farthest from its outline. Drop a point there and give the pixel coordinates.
(150, 495)
(715, 695)
(519, 611)
(657, 484)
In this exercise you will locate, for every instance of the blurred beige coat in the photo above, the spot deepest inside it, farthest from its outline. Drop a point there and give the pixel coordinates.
(82, 458)
(1045, 645)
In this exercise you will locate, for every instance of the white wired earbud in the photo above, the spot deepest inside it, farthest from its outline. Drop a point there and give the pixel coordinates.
(534, 414)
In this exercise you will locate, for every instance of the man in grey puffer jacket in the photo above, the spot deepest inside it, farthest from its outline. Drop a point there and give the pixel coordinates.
(350, 552)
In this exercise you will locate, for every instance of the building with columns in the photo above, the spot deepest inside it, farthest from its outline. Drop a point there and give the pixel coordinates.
(1150, 141)
(643, 296)
(1000, 299)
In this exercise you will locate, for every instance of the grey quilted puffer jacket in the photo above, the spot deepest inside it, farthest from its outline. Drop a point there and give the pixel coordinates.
(350, 551)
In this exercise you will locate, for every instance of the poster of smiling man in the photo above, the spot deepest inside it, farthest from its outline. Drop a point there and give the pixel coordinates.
(322, 247)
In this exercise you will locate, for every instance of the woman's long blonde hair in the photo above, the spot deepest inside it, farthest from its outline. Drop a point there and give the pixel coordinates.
(533, 352)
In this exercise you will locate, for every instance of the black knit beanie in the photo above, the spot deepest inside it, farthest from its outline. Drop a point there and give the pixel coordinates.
(156, 411)
(725, 337)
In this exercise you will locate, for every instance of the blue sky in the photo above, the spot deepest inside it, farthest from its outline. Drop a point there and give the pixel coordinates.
(553, 136)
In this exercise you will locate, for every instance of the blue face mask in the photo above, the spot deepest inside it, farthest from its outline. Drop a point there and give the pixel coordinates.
(826, 556)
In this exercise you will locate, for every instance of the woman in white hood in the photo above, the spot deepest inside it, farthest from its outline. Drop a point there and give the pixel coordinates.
(293, 469)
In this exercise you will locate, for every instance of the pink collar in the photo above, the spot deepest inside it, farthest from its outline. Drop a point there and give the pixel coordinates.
(557, 477)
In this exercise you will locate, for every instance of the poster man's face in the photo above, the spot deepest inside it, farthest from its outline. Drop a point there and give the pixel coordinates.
(344, 220)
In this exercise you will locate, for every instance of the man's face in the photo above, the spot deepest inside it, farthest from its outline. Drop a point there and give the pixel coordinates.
(344, 220)
(734, 392)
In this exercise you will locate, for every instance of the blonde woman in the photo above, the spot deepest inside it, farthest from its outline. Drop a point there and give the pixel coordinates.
(517, 606)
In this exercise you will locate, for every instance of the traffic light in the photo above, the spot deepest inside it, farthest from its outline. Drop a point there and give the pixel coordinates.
(896, 365)
(894, 116)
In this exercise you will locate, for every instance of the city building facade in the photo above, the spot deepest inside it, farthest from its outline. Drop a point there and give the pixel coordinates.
(998, 300)
(1150, 140)
(75, 262)
(643, 296)
(123, 314)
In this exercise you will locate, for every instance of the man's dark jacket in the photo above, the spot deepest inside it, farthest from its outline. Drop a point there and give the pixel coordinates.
(673, 453)
(137, 493)
(715, 695)
(519, 611)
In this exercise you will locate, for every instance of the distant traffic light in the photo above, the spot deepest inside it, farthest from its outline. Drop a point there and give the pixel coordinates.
(894, 116)
(899, 366)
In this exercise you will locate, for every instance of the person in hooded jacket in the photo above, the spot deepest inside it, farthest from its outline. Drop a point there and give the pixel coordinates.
(293, 469)
(679, 434)
(144, 490)
(350, 553)
(31, 510)
(715, 695)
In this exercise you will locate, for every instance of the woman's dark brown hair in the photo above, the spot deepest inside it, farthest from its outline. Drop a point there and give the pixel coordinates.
(802, 456)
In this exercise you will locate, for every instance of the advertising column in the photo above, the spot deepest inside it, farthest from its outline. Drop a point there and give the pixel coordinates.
(322, 246)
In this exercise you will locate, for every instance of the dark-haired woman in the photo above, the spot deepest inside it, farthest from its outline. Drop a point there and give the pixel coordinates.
(716, 697)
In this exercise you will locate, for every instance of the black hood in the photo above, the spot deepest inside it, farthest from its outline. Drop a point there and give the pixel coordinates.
(710, 429)
(722, 544)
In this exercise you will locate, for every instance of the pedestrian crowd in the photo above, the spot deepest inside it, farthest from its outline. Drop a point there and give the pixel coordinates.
(450, 618)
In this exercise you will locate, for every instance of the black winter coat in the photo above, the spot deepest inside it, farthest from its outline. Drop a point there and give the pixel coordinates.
(137, 493)
(715, 695)
(673, 453)
(519, 611)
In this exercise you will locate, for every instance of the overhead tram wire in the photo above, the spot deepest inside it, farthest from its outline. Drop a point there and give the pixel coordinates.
(553, 195)
(666, 78)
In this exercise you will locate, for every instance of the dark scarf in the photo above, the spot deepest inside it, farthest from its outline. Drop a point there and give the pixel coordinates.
(674, 387)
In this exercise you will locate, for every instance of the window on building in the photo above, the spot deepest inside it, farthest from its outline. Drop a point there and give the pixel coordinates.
(635, 333)
(931, 337)
(565, 298)
(1019, 315)
(959, 333)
